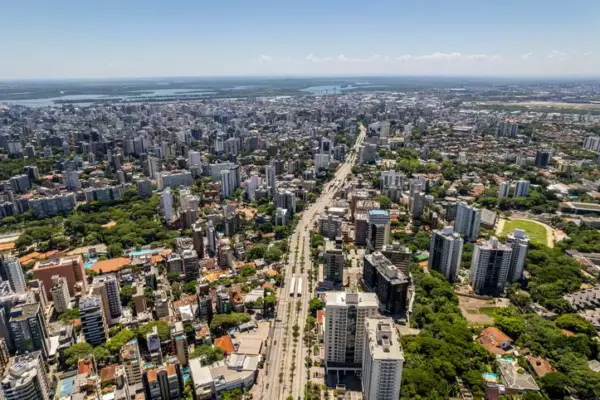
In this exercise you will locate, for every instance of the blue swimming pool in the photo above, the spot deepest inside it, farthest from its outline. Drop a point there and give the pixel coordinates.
(143, 252)
(490, 376)
(65, 387)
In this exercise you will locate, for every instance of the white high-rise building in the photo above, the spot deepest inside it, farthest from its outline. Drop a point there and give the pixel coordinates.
(392, 179)
(271, 182)
(521, 188)
(60, 294)
(211, 239)
(519, 242)
(14, 271)
(345, 315)
(489, 267)
(468, 220)
(445, 252)
(504, 189)
(194, 158)
(153, 166)
(252, 184)
(378, 229)
(383, 360)
(167, 204)
(226, 184)
(71, 180)
(25, 379)
(321, 161)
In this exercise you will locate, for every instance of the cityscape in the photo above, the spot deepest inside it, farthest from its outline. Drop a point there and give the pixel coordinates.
(251, 224)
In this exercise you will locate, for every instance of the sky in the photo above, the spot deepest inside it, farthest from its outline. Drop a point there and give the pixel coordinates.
(154, 38)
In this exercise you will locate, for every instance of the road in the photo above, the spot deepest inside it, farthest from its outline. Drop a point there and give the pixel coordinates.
(281, 357)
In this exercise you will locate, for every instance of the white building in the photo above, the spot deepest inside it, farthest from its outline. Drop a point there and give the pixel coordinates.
(194, 158)
(14, 271)
(174, 179)
(489, 267)
(344, 337)
(519, 242)
(468, 220)
(60, 294)
(252, 184)
(227, 184)
(166, 200)
(271, 183)
(71, 180)
(321, 161)
(392, 179)
(521, 188)
(383, 360)
(445, 252)
(25, 379)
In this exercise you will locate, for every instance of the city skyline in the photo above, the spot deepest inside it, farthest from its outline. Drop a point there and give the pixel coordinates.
(466, 38)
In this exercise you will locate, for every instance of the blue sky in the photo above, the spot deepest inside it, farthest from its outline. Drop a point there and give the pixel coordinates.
(133, 38)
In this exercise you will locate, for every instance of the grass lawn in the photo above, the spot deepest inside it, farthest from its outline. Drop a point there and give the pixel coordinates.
(537, 233)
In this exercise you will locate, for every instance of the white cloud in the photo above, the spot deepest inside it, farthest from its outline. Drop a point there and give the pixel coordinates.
(557, 54)
(526, 55)
(265, 58)
(587, 53)
(438, 56)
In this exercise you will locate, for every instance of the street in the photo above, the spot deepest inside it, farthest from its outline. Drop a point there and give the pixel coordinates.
(286, 357)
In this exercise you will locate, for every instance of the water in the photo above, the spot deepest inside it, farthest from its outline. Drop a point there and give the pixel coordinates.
(142, 94)
(490, 376)
(138, 253)
(335, 89)
(90, 263)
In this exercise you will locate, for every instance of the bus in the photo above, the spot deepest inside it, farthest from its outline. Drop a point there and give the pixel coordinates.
(299, 287)
(293, 287)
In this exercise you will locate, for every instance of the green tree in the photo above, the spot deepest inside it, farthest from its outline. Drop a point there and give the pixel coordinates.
(77, 351)
(209, 354)
(384, 202)
(273, 254)
(314, 305)
(126, 294)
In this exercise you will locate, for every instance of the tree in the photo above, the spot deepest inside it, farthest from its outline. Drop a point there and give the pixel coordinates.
(555, 385)
(209, 354)
(575, 323)
(384, 202)
(314, 305)
(190, 287)
(257, 251)
(101, 354)
(77, 351)
(273, 254)
(126, 294)
(69, 315)
(114, 250)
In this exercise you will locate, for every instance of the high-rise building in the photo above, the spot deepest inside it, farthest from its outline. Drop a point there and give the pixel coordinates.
(191, 267)
(174, 179)
(198, 239)
(271, 182)
(71, 180)
(344, 340)
(211, 239)
(445, 252)
(93, 321)
(519, 242)
(468, 220)
(153, 166)
(227, 185)
(154, 347)
(107, 288)
(14, 273)
(252, 183)
(28, 329)
(383, 360)
(144, 188)
(387, 281)
(489, 267)
(26, 379)
(504, 189)
(194, 158)
(521, 188)
(542, 158)
(130, 357)
(333, 263)
(330, 226)
(60, 294)
(4, 357)
(399, 255)
(167, 204)
(378, 229)
(20, 183)
(285, 199)
(392, 179)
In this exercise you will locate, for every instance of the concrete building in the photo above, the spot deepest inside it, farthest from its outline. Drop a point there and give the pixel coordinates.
(383, 360)
(52, 205)
(69, 267)
(468, 221)
(194, 158)
(191, 267)
(20, 183)
(285, 199)
(166, 200)
(445, 252)
(504, 189)
(489, 267)
(271, 181)
(144, 188)
(154, 346)
(60, 294)
(174, 179)
(399, 255)
(360, 229)
(387, 281)
(378, 229)
(107, 288)
(26, 379)
(333, 263)
(104, 194)
(71, 180)
(344, 336)
(521, 188)
(14, 274)
(130, 358)
(28, 329)
(519, 242)
(93, 321)
(330, 226)
(198, 239)
(542, 159)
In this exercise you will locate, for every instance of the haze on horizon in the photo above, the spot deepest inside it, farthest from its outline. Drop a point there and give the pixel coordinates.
(72, 39)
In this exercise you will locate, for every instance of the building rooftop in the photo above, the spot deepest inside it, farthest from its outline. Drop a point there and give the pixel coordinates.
(383, 339)
(343, 298)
